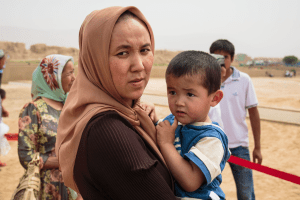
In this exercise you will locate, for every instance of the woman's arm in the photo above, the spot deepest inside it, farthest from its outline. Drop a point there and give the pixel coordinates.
(28, 134)
(28, 140)
(255, 125)
(120, 163)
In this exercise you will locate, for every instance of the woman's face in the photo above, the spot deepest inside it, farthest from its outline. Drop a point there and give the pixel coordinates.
(68, 76)
(130, 58)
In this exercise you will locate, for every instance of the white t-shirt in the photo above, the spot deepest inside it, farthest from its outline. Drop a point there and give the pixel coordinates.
(239, 95)
(215, 115)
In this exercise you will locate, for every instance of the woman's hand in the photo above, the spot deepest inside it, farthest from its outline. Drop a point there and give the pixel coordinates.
(150, 110)
(51, 163)
(166, 132)
(5, 113)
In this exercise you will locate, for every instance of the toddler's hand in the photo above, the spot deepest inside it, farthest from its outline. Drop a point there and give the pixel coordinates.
(166, 132)
(150, 110)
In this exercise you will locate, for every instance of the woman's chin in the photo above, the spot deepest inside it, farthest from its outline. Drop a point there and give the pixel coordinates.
(135, 95)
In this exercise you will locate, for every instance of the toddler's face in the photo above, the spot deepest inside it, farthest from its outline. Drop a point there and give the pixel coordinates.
(188, 99)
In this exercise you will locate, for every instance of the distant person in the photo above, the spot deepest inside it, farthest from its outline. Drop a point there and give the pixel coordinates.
(269, 74)
(294, 71)
(4, 145)
(288, 73)
(38, 121)
(2, 64)
(239, 96)
(4, 112)
(194, 147)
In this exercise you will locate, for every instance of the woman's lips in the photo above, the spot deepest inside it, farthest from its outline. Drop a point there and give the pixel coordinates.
(137, 82)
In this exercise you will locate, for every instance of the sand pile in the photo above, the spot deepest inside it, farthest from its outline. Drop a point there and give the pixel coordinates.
(163, 57)
(17, 51)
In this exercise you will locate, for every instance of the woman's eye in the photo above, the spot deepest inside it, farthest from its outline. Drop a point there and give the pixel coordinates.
(172, 92)
(145, 50)
(190, 94)
(123, 53)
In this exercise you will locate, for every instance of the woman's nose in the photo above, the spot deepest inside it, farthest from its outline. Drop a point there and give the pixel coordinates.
(137, 62)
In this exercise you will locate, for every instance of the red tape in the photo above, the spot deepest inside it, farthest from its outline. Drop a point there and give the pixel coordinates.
(267, 170)
(11, 136)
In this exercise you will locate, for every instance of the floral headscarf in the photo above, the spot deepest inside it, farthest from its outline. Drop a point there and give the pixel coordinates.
(46, 78)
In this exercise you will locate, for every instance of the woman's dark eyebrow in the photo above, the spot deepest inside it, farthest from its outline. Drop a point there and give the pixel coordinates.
(124, 46)
(146, 45)
(128, 46)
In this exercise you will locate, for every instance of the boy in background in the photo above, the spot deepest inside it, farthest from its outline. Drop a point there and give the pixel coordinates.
(239, 96)
(194, 148)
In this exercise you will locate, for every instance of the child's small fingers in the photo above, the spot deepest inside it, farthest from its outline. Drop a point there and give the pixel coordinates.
(175, 123)
(166, 122)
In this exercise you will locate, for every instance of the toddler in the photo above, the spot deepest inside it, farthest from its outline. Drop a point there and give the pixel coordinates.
(194, 148)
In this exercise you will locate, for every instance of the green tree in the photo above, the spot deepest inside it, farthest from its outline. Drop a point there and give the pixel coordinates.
(290, 60)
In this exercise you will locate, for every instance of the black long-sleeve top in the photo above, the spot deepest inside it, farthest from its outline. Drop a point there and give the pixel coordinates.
(114, 162)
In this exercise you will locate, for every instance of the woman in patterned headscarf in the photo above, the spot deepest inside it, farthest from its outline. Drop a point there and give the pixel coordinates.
(38, 121)
(106, 142)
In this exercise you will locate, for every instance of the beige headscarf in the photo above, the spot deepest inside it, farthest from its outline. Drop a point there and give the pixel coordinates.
(93, 90)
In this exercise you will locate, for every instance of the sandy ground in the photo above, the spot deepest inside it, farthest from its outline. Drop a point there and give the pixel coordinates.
(280, 142)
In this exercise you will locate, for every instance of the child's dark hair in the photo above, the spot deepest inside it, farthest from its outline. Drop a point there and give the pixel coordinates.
(222, 45)
(2, 93)
(194, 63)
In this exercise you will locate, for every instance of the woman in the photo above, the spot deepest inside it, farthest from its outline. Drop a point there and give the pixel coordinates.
(106, 143)
(38, 121)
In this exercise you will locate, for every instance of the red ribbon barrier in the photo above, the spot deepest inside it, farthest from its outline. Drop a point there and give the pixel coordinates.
(11, 136)
(267, 170)
(233, 159)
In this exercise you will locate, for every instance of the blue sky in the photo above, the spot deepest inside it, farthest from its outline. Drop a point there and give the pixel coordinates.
(266, 28)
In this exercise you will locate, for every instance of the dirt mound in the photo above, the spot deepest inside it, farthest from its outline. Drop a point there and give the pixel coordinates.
(17, 51)
(13, 48)
(163, 57)
(44, 49)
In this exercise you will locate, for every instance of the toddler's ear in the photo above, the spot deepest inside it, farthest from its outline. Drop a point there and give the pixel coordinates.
(217, 97)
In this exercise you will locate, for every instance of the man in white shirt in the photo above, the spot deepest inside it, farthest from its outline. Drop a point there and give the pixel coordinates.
(239, 96)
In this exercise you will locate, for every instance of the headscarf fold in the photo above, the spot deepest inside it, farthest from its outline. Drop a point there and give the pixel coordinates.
(46, 78)
(94, 92)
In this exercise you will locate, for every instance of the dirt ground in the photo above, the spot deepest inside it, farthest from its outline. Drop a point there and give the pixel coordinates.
(280, 142)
